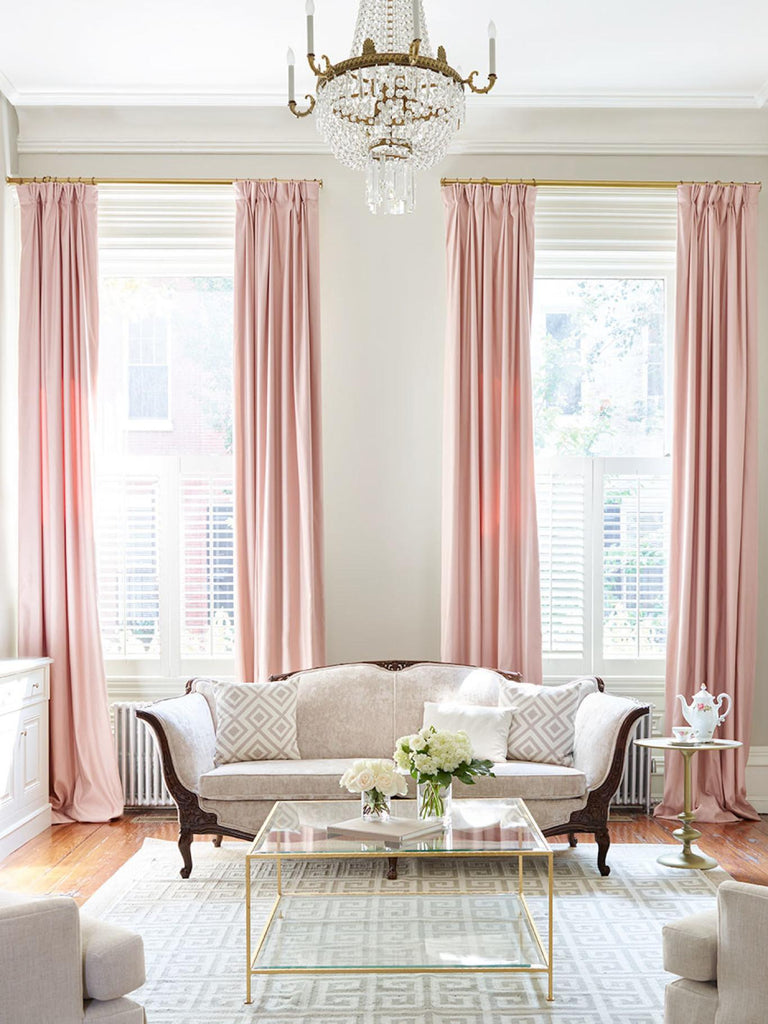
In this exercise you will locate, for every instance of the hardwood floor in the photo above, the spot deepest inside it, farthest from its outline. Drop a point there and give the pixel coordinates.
(77, 859)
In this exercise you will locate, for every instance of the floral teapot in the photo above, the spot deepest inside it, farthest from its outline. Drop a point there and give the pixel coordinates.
(703, 713)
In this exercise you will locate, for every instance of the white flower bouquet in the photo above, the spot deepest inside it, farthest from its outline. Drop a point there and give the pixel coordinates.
(434, 758)
(378, 781)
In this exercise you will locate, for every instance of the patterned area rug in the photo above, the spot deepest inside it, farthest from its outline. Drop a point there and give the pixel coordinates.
(608, 967)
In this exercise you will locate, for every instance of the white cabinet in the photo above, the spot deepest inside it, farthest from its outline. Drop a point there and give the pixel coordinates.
(24, 807)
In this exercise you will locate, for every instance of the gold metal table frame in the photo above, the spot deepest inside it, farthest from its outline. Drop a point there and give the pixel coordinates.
(253, 949)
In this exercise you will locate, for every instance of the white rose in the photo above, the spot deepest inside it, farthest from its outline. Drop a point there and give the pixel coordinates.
(365, 780)
(418, 742)
(400, 785)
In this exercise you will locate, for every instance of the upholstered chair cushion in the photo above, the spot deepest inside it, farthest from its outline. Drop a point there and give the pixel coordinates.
(690, 946)
(256, 721)
(487, 728)
(544, 724)
(690, 1002)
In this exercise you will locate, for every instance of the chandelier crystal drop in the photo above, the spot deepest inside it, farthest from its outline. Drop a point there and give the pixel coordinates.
(394, 105)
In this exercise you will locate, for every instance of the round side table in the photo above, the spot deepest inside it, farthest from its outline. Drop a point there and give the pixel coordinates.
(687, 858)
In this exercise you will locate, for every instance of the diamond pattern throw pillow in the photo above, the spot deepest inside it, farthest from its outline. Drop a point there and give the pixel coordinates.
(256, 722)
(544, 722)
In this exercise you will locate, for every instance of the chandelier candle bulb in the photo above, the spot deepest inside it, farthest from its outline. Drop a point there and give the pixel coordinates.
(416, 25)
(310, 9)
(491, 48)
(291, 71)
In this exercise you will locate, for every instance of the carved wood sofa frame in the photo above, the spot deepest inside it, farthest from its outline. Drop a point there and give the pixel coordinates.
(592, 819)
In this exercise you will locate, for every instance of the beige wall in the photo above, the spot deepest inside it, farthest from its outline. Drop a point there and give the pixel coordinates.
(383, 325)
(8, 390)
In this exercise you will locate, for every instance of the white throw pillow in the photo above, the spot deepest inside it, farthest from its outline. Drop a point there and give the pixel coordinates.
(487, 727)
(256, 722)
(544, 723)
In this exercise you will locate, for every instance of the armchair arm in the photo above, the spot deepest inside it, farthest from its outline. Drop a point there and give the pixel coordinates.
(187, 739)
(603, 726)
(742, 980)
(41, 977)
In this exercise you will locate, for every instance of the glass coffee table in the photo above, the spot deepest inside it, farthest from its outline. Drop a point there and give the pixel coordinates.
(387, 929)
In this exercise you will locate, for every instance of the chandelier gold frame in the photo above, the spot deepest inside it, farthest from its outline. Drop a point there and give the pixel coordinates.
(371, 58)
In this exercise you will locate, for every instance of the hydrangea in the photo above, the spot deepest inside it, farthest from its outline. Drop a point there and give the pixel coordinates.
(437, 755)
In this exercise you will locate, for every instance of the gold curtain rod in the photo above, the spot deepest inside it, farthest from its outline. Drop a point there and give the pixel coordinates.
(149, 181)
(573, 183)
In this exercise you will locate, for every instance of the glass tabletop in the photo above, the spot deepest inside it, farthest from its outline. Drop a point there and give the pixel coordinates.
(369, 932)
(300, 828)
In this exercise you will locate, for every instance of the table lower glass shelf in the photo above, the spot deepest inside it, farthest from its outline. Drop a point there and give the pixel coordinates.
(413, 932)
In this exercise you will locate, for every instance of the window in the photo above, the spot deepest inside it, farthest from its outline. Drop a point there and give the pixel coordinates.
(148, 368)
(163, 485)
(600, 355)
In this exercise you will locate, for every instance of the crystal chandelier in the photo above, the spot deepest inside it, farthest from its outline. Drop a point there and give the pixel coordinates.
(393, 106)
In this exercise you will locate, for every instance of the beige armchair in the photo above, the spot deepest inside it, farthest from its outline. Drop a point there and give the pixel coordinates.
(720, 957)
(56, 965)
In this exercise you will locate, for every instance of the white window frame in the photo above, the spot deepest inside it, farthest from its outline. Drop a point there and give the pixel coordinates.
(166, 231)
(615, 257)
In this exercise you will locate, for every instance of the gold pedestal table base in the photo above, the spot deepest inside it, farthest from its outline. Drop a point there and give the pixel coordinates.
(686, 857)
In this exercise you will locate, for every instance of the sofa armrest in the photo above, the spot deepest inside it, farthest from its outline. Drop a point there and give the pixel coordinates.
(187, 739)
(742, 980)
(40, 960)
(113, 959)
(603, 726)
(690, 946)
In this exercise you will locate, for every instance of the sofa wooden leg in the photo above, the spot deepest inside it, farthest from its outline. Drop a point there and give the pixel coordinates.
(217, 841)
(572, 840)
(392, 869)
(185, 849)
(603, 838)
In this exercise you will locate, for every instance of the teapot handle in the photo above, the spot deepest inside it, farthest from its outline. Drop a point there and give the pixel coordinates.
(722, 718)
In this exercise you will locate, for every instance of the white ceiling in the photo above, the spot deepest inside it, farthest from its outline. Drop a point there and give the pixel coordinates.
(659, 53)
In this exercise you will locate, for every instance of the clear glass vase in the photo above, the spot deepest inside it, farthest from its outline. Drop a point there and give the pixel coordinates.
(374, 805)
(435, 800)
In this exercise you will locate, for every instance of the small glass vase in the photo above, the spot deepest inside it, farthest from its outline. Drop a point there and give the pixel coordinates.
(435, 800)
(374, 805)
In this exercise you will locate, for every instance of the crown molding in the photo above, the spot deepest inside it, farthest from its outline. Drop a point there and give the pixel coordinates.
(490, 147)
(314, 147)
(150, 97)
(188, 96)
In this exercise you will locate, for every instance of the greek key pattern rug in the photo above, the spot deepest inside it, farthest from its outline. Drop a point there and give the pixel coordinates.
(608, 965)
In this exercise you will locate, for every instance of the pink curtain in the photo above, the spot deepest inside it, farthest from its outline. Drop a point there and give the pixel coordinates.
(278, 486)
(713, 567)
(58, 617)
(491, 611)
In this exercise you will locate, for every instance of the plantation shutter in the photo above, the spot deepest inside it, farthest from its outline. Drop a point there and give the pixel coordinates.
(561, 499)
(127, 564)
(208, 565)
